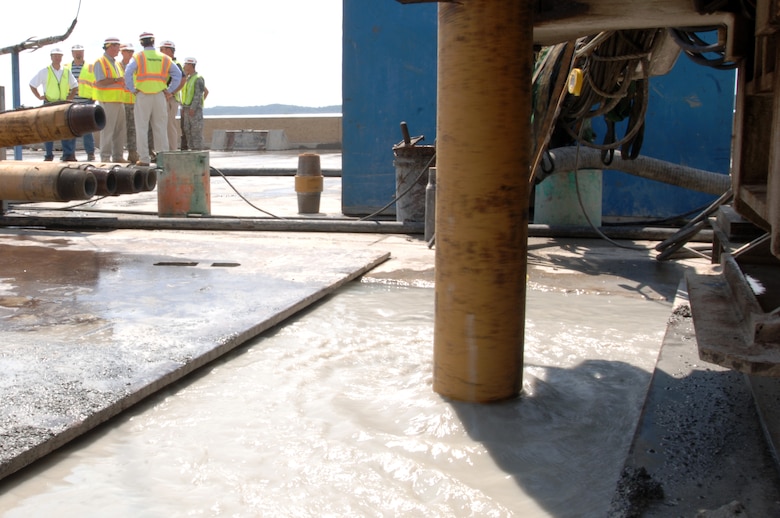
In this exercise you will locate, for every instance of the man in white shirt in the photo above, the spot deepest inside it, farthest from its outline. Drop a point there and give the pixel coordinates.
(58, 85)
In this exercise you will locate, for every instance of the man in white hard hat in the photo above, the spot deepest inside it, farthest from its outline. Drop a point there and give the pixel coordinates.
(110, 93)
(86, 77)
(193, 94)
(58, 85)
(168, 48)
(146, 76)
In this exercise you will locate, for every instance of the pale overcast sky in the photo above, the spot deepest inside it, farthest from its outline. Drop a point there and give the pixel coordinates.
(251, 52)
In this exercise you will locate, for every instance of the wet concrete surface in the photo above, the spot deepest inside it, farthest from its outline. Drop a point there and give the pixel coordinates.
(95, 319)
(93, 324)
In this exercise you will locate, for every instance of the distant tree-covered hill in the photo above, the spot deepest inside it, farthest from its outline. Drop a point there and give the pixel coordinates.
(270, 109)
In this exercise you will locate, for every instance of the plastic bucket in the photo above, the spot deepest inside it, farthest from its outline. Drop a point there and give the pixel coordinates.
(556, 201)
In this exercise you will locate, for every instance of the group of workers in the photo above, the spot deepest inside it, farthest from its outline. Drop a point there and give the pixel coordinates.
(141, 93)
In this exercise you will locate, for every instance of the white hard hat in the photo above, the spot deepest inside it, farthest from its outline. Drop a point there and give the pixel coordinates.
(77, 47)
(190, 61)
(111, 40)
(56, 50)
(167, 43)
(127, 46)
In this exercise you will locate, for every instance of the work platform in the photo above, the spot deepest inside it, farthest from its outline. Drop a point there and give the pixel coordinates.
(101, 318)
(95, 321)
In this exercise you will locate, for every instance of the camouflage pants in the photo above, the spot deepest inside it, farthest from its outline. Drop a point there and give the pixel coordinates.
(130, 120)
(192, 124)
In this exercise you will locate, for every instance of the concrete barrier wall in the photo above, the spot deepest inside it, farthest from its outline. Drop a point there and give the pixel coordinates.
(310, 131)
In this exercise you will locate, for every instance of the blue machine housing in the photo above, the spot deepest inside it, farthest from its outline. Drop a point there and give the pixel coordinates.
(389, 76)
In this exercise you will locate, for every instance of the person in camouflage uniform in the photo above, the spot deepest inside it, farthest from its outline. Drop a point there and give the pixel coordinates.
(193, 94)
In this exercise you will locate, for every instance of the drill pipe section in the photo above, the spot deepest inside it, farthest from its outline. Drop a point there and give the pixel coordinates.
(56, 121)
(106, 180)
(129, 180)
(33, 181)
(150, 178)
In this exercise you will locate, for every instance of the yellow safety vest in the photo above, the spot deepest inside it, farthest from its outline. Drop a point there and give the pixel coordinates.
(151, 76)
(115, 92)
(128, 97)
(178, 94)
(87, 81)
(57, 90)
(188, 92)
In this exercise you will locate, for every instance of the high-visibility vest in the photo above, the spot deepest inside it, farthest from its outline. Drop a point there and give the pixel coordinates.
(151, 75)
(57, 90)
(128, 97)
(178, 94)
(115, 92)
(188, 91)
(87, 82)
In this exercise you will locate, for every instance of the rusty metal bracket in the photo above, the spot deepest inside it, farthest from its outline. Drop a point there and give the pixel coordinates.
(407, 141)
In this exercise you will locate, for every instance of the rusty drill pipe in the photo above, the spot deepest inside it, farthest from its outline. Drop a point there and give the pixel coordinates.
(482, 119)
(33, 181)
(59, 121)
(106, 180)
(75, 184)
(150, 178)
(128, 181)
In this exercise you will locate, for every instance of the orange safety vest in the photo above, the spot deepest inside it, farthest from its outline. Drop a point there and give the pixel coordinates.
(154, 67)
(128, 97)
(115, 92)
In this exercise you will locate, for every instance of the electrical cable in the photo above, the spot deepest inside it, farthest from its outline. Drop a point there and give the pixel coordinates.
(87, 202)
(585, 212)
(610, 63)
(242, 196)
(224, 177)
(404, 193)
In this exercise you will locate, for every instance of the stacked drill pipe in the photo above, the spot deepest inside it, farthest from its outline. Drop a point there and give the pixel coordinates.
(68, 181)
(56, 121)
(45, 181)
(149, 175)
(106, 180)
(127, 179)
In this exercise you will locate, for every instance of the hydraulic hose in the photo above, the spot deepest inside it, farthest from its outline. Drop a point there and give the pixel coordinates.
(566, 159)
